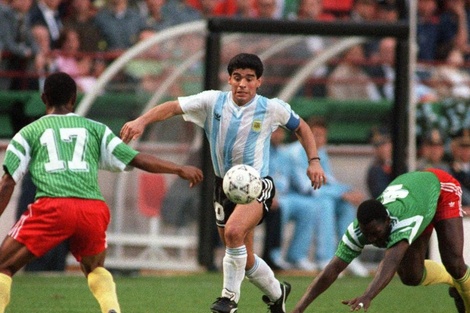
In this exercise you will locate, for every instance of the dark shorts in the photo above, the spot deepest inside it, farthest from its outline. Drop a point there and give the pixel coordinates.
(224, 207)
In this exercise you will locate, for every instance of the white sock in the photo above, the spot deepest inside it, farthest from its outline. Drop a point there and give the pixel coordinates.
(262, 276)
(234, 264)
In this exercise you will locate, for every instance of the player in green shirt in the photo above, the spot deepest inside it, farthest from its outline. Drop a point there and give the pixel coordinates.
(401, 220)
(63, 152)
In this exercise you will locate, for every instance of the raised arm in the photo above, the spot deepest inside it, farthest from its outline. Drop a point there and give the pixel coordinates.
(152, 164)
(314, 170)
(134, 129)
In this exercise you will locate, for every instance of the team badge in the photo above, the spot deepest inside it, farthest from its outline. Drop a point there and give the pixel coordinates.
(256, 126)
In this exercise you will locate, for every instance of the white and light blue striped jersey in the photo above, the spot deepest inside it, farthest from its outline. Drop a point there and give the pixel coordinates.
(63, 154)
(238, 135)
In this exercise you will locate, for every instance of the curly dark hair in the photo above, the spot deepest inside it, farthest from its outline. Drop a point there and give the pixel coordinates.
(246, 60)
(371, 210)
(59, 89)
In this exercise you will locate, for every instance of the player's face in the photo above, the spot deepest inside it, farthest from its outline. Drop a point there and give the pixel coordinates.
(244, 85)
(376, 232)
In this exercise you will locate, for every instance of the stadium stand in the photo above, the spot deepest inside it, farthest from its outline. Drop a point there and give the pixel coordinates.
(349, 121)
(104, 108)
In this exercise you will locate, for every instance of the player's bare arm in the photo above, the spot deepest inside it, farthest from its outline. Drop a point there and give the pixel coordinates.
(152, 164)
(314, 170)
(7, 185)
(321, 283)
(386, 271)
(134, 129)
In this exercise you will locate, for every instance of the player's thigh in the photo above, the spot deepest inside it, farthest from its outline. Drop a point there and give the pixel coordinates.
(246, 216)
(411, 266)
(13, 256)
(450, 238)
(89, 237)
(243, 219)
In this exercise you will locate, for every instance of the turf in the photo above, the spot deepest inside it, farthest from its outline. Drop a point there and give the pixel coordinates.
(193, 293)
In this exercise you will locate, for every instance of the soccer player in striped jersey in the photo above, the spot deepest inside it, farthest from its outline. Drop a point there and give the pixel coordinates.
(238, 125)
(401, 220)
(63, 152)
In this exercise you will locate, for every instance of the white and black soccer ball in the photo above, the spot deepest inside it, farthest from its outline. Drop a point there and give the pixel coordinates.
(242, 184)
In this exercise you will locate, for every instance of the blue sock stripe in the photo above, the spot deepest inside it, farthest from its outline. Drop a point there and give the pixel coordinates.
(240, 251)
(254, 268)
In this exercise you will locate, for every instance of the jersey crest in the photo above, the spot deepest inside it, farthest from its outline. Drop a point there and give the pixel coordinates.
(256, 126)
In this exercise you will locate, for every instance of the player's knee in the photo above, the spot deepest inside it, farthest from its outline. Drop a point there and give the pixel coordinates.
(409, 279)
(89, 263)
(233, 235)
(8, 271)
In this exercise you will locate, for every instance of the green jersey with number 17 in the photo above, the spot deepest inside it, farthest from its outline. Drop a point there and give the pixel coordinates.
(411, 201)
(64, 153)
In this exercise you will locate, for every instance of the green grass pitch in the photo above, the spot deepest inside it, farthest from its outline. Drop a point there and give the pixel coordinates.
(194, 293)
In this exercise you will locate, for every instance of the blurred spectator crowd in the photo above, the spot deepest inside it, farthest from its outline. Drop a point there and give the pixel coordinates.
(81, 36)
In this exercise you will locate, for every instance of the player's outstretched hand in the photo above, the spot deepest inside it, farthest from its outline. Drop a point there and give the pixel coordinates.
(357, 304)
(132, 130)
(192, 174)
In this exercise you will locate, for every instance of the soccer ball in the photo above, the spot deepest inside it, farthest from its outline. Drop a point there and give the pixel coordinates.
(242, 184)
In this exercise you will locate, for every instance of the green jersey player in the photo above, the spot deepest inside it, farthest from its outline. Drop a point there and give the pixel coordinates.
(401, 220)
(63, 153)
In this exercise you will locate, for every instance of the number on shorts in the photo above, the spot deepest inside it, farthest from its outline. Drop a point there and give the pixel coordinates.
(219, 211)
